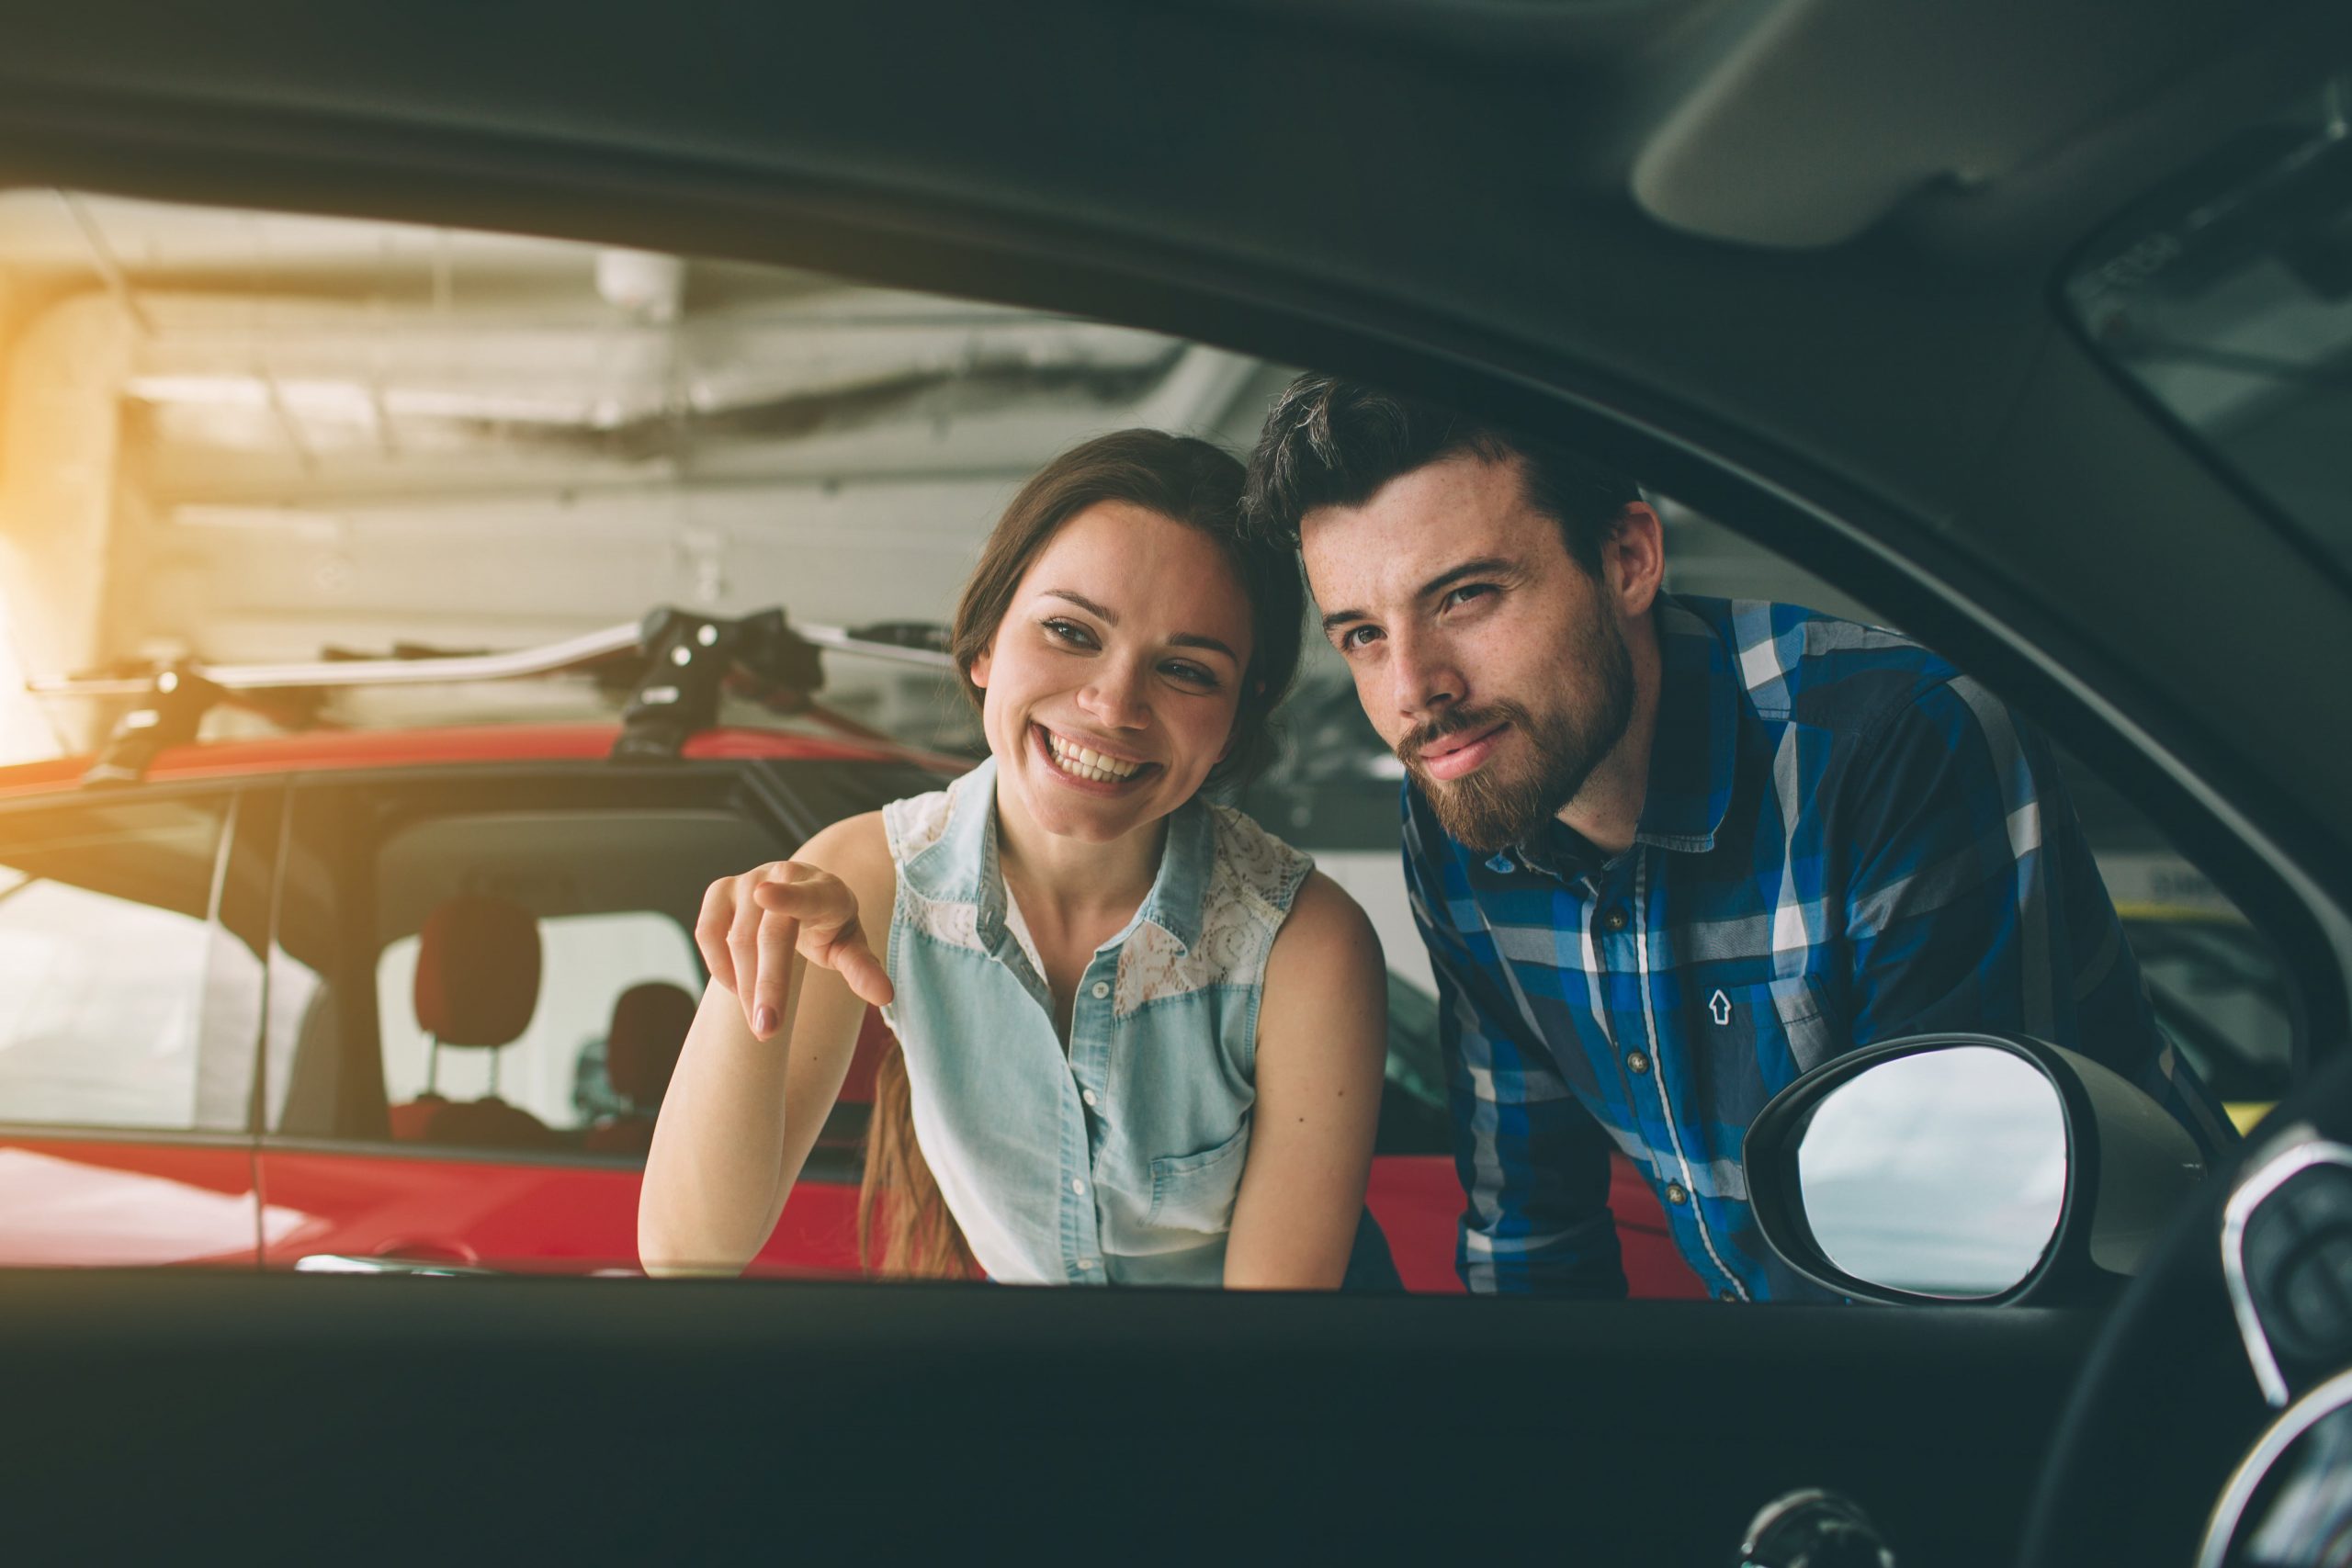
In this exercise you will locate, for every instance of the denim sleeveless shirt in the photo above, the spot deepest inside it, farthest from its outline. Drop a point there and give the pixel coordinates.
(1117, 1162)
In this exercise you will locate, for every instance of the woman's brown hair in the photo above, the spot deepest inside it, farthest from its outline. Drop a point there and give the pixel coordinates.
(1186, 480)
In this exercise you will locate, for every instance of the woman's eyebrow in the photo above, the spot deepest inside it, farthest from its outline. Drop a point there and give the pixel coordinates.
(1110, 617)
(1194, 640)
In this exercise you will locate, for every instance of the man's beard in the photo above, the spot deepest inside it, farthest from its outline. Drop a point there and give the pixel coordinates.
(1494, 807)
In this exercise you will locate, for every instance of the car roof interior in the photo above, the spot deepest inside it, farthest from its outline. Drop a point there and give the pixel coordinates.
(1844, 346)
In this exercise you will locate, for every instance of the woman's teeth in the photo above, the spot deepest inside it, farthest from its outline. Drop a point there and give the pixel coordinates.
(1086, 764)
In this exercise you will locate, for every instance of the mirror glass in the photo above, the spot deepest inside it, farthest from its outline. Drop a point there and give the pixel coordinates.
(1940, 1173)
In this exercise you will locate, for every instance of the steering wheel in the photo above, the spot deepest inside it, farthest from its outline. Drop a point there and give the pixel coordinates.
(2166, 1404)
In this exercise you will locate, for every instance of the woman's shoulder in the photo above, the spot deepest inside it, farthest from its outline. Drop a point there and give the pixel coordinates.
(1252, 861)
(910, 826)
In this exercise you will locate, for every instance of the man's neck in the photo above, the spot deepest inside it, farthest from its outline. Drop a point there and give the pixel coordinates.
(1608, 809)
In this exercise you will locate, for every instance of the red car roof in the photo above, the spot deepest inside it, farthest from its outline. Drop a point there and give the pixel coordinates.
(315, 749)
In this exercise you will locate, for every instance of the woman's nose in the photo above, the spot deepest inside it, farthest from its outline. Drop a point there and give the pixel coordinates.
(1115, 698)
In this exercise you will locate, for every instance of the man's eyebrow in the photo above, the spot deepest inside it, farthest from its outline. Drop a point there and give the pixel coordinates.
(1485, 566)
(1110, 617)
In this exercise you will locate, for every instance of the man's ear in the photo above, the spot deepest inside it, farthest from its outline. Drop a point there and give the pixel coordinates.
(1634, 558)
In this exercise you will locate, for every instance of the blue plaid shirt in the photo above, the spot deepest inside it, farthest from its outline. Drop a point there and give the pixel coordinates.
(1845, 840)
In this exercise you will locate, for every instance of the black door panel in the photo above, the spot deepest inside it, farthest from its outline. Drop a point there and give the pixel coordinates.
(680, 1422)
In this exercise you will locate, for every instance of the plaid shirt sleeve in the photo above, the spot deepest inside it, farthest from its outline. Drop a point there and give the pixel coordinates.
(1974, 902)
(1533, 1163)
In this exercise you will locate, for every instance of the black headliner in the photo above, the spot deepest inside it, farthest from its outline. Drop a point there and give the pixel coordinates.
(1434, 192)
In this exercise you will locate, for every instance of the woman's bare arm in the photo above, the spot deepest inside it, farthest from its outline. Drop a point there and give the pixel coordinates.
(741, 1112)
(1322, 1050)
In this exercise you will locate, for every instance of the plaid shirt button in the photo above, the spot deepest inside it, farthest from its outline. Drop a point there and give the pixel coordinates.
(1637, 1063)
(1677, 1193)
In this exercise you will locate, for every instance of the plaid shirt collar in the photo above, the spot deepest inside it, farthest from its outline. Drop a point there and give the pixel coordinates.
(1693, 749)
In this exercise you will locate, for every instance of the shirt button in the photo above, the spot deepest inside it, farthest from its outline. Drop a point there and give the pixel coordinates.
(1100, 989)
(1089, 1263)
(1720, 1295)
(1614, 919)
(1677, 1193)
(1637, 1063)
(1079, 1188)
(1087, 1094)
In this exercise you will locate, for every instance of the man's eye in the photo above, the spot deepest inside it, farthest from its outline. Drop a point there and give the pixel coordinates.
(1355, 638)
(1069, 632)
(1468, 592)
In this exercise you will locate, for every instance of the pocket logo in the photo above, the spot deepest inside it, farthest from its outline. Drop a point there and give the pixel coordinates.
(1719, 1009)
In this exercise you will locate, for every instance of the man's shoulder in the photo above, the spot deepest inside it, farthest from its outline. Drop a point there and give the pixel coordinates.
(1439, 867)
(1796, 665)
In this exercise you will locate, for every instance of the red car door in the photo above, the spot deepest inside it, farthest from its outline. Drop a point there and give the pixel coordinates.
(479, 983)
(131, 989)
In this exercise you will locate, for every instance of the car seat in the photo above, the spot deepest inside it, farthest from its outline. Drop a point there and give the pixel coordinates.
(477, 985)
(641, 1045)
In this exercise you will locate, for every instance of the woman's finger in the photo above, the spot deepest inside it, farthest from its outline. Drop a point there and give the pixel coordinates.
(744, 947)
(843, 950)
(710, 930)
(778, 936)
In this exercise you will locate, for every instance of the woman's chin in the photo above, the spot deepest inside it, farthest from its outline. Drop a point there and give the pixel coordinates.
(1088, 815)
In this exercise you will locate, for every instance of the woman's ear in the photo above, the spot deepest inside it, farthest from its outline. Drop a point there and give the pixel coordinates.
(1233, 735)
(976, 671)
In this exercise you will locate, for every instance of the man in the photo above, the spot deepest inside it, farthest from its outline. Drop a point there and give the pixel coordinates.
(1668, 852)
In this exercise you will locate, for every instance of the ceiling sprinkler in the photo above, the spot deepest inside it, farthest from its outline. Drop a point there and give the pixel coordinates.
(644, 283)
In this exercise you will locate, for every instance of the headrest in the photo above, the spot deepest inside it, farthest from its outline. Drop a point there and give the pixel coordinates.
(478, 971)
(649, 1023)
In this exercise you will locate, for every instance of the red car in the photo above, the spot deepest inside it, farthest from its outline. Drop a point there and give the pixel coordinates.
(405, 999)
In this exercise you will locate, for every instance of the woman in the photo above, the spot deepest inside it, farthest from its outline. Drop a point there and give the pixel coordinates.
(1143, 1041)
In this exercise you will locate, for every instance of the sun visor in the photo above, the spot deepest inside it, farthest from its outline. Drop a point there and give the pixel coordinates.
(1822, 116)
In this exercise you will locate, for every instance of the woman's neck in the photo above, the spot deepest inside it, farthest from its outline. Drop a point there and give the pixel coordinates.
(1068, 881)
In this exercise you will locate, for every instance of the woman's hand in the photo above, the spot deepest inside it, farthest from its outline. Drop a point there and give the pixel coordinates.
(752, 925)
(747, 1103)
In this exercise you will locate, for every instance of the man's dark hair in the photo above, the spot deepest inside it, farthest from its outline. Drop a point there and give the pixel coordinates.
(1332, 442)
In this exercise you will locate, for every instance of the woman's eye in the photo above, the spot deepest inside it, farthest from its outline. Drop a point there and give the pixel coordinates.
(1193, 675)
(1069, 632)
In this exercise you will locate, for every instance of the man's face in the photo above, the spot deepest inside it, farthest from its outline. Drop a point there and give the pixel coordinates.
(1492, 661)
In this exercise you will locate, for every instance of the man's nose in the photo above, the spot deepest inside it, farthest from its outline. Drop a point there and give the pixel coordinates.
(1423, 677)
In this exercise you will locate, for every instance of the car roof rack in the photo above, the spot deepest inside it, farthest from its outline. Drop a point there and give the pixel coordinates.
(676, 663)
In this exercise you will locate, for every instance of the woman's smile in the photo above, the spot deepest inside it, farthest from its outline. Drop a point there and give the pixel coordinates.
(1088, 763)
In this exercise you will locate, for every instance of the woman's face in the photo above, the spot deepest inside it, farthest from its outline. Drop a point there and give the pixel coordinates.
(1110, 688)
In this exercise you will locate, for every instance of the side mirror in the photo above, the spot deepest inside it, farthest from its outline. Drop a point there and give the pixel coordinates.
(1966, 1168)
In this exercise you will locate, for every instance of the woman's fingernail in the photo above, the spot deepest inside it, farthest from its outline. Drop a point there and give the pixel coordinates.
(763, 1020)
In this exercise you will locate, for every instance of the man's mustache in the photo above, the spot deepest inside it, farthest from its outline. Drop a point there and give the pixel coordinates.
(1455, 721)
